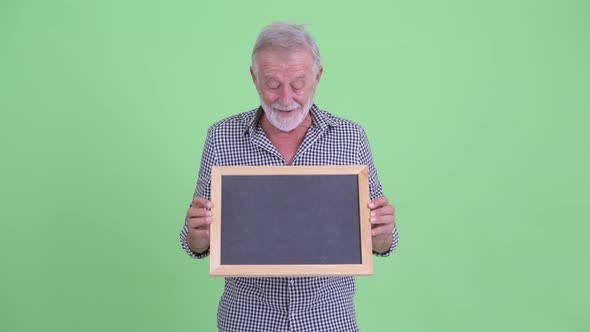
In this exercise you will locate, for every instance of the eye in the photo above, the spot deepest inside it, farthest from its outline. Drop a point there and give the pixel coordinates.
(298, 85)
(273, 85)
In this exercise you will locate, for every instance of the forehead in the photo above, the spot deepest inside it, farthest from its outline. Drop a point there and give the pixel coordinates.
(284, 62)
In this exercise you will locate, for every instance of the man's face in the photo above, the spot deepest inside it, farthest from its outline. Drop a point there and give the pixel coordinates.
(286, 84)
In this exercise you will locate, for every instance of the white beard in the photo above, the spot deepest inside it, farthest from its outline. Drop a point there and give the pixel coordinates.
(297, 114)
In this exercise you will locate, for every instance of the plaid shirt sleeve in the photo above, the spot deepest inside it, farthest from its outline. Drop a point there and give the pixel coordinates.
(376, 191)
(203, 189)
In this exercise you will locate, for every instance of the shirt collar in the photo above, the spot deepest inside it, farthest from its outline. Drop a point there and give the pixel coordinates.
(319, 118)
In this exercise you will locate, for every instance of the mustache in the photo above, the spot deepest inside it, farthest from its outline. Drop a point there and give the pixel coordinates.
(291, 107)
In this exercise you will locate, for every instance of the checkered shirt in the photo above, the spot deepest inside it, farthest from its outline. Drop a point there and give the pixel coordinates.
(280, 303)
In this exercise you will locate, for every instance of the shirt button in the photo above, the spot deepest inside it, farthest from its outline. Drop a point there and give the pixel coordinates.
(292, 282)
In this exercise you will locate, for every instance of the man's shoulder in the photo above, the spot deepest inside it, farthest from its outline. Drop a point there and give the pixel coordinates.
(237, 122)
(339, 123)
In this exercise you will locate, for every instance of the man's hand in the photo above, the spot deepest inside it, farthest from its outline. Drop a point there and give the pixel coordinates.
(198, 220)
(382, 223)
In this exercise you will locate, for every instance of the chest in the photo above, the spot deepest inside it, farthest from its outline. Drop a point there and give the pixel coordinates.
(319, 147)
(287, 147)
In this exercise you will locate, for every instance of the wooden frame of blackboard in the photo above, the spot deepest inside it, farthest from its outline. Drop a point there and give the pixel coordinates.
(363, 267)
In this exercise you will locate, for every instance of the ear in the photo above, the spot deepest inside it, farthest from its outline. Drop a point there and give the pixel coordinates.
(253, 76)
(319, 75)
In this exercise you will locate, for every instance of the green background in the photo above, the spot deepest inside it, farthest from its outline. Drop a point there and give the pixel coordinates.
(477, 113)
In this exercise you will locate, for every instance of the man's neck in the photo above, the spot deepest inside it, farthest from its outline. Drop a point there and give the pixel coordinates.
(286, 143)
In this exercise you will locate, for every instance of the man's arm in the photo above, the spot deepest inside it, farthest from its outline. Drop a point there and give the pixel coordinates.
(384, 231)
(194, 236)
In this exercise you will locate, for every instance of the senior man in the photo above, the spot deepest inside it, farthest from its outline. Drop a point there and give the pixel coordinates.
(287, 129)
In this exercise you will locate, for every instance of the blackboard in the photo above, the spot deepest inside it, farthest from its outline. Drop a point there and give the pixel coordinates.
(290, 221)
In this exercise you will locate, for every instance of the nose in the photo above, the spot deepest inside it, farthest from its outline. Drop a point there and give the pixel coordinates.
(286, 96)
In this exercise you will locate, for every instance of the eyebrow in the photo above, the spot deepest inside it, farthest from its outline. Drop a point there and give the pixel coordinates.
(273, 77)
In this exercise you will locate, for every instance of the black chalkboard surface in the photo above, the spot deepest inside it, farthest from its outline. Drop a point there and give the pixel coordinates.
(290, 221)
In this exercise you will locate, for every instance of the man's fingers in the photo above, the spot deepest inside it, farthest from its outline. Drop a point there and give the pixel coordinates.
(195, 212)
(383, 219)
(199, 233)
(198, 217)
(378, 202)
(202, 203)
(198, 223)
(377, 230)
(387, 209)
(383, 215)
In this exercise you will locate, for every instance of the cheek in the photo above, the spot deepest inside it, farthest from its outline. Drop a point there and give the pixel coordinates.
(303, 95)
(268, 97)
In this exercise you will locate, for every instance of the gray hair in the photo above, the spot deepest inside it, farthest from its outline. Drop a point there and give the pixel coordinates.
(286, 36)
